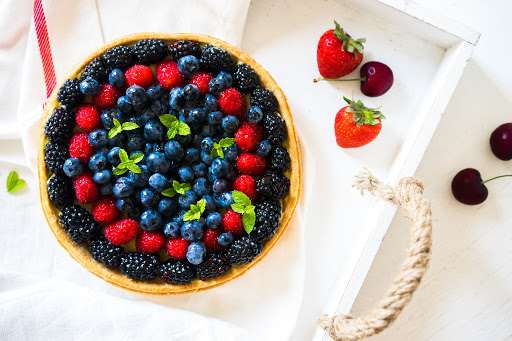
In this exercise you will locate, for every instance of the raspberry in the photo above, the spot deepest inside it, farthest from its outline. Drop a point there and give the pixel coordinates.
(140, 75)
(176, 272)
(251, 164)
(210, 240)
(265, 99)
(150, 51)
(69, 93)
(105, 252)
(59, 126)
(120, 57)
(177, 248)
(232, 223)
(245, 79)
(232, 102)
(214, 265)
(273, 186)
(96, 70)
(88, 117)
(244, 250)
(274, 129)
(278, 160)
(202, 81)
(54, 157)
(149, 242)
(80, 148)
(247, 185)
(60, 190)
(122, 231)
(107, 96)
(248, 136)
(182, 48)
(140, 266)
(86, 190)
(79, 223)
(215, 59)
(168, 74)
(104, 210)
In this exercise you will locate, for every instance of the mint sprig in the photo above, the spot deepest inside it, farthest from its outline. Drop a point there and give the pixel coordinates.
(195, 211)
(217, 147)
(118, 128)
(14, 183)
(175, 126)
(244, 206)
(128, 163)
(176, 188)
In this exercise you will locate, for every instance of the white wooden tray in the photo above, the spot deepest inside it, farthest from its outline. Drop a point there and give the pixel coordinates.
(427, 53)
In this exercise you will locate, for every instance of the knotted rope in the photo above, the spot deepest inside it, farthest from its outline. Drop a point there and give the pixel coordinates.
(407, 193)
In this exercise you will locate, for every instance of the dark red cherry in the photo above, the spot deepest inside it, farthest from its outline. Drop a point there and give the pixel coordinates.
(376, 79)
(501, 142)
(467, 187)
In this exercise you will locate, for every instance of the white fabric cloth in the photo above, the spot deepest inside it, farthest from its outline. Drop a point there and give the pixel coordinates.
(261, 305)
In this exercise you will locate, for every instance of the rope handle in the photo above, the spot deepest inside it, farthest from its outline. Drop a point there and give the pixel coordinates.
(407, 193)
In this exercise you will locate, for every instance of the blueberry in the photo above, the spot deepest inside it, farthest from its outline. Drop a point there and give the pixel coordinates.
(184, 116)
(190, 232)
(113, 156)
(154, 131)
(137, 95)
(188, 65)
(172, 230)
(201, 187)
(148, 115)
(184, 140)
(108, 115)
(230, 124)
(263, 148)
(174, 151)
(191, 93)
(158, 163)
(206, 158)
(210, 203)
(150, 220)
(139, 121)
(123, 187)
(158, 108)
(149, 197)
(210, 130)
(216, 86)
(196, 253)
(225, 78)
(168, 207)
(177, 98)
(213, 220)
(207, 144)
(231, 174)
(73, 167)
(149, 148)
(97, 162)
(197, 115)
(103, 177)
(210, 104)
(215, 118)
(98, 138)
(231, 152)
(226, 200)
(200, 169)
(89, 86)
(187, 199)
(135, 213)
(117, 141)
(116, 78)
(225, 239)
(124, 104)
(106, 189)
(254, 114)
(178, 219)
(155, 92)
(186, 174)
(135, 142)
(124, 204)
(158, 182)
(191, 155)
(140, 179)
(220, 186)
(219, 167)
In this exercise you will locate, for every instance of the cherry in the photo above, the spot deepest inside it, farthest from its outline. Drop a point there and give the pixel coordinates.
(468, 187)
(501, 142)
(376, 79)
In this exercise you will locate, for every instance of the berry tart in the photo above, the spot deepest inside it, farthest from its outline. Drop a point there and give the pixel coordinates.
(168, 163)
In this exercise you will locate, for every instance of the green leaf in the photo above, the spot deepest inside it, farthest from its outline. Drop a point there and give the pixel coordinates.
(116, 122)
(129, 126)
(227, 142)
(136, 158)
(201, 204)
(249, 208)
(123, 156)
(238, 208)
(167, 120)
(171, 133)
(114, 131)
(348, 100)
(133, 167)
(19, 183)
(180, 188)
(189, 216)
(249, 219)
(12, 178)
(169, 192)
(183, 128)
(120, 170)
(241, 198)
(214, 153)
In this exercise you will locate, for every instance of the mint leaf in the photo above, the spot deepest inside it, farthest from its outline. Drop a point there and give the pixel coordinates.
(227, 142)
(195, 211)
(183, 128)
(114, 131)
(133, 167)
(136, 158)
(123, 156)
(121, 169)
(215, 151)
(249, 219)
(238, 208)
(201, 204)
(241, 198)
(169, 192)
(249, 208)
(129, 126)
(167, 120)
(181, 188)
(19, 183)
(14, 183)
(189, 216)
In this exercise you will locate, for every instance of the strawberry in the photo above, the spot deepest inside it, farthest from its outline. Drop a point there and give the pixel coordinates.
(86, 190)
(177, 248)
(149, 241)
(140, 75)
(122, 231)
(232, 223)
(251, 164)
(88, 117)
(107, 96)
(356, 125)
(210, 239)
(80, 148)
(104, 210)
(168, 74)
(338, 54)
(202, 81)
(232, 102)
(247, 185)
(248, 136)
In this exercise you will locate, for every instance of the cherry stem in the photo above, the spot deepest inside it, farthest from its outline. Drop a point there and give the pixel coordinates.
(363, 79)
(496, 177)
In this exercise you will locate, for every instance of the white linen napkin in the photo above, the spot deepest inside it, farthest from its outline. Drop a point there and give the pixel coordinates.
(265, 301)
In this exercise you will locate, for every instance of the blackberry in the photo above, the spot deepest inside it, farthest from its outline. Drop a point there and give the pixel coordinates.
(215, 59)
(268, 215)
(54, 156)
(96, 70)
(150, 51)
(265, 99)
(245, 79)
(214, 265)
(69, 93)
(176, 272)
(59, 126)
(244, 250)
(273, 186)
(278, 160)
(120, 57)
(60, 190)
(274, 129)
(79, 223)
(182, 48)
(139, 265)
(105, 252)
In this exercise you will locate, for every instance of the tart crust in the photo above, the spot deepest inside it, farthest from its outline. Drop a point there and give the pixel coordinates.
(157, 287)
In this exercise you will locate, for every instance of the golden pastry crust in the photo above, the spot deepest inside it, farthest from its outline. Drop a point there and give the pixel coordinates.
(157, 287)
